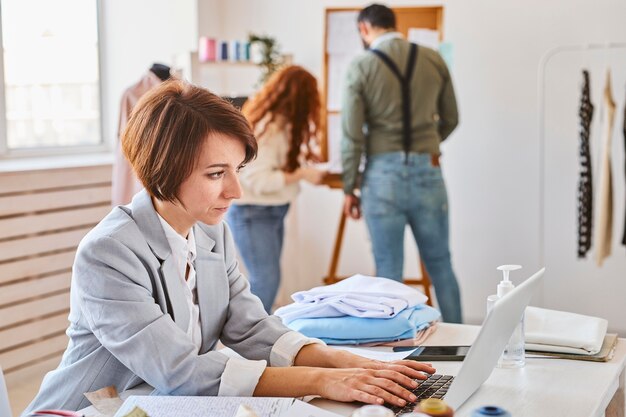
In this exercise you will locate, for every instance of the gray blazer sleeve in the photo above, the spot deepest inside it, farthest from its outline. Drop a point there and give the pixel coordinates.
(248, 329)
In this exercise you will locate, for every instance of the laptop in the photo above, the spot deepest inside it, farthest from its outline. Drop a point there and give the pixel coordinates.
(485, 351)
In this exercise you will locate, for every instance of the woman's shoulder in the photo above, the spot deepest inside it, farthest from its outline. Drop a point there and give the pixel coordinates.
(118, 226)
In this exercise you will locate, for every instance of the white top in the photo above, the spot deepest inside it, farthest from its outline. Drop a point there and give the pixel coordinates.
(240, 375)
(184, 252)
(263, 180)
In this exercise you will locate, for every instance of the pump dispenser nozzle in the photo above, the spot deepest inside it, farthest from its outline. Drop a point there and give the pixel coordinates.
(506, 285)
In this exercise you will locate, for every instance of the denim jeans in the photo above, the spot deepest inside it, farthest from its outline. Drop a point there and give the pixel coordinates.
(395, 194)
(258, 232)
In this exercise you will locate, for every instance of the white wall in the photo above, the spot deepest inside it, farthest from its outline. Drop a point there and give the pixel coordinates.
(136, 34)
(492, 162)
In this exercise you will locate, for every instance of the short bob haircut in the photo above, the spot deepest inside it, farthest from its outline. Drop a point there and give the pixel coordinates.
(167, 128)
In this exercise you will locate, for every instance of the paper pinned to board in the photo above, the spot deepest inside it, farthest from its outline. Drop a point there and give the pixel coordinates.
(425, 37)
(342, 33)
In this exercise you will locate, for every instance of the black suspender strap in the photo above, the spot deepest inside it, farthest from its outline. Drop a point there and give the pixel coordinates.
(405, 85)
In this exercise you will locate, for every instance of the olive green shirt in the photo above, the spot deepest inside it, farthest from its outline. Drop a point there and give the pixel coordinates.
(371, 112)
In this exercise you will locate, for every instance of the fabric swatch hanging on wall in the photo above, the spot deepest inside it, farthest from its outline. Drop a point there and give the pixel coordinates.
(605, 198)
(585, 187)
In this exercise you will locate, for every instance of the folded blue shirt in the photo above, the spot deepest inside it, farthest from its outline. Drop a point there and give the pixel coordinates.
(355, 330)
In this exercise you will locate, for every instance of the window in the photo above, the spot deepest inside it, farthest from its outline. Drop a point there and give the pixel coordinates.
(50, 84)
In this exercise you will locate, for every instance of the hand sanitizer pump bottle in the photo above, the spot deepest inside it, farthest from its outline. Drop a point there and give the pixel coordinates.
(513, 355)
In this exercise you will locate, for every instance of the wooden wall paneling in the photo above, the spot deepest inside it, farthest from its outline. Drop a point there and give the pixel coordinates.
(32, 331)
(35, 266)
(20, 182)
(50, 200)
(56, 220)
(29, 310)
(36, 370)
(46, 348)
(12, 249)
(31, 288)
(43, 216)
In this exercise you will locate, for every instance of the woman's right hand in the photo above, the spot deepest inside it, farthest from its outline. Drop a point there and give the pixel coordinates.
(366, 385)
(312, 175)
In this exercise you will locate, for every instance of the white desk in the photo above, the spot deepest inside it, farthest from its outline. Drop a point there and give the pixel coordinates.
(543, 388)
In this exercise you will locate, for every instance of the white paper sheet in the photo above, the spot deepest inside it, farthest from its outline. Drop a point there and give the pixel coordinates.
(171, 406)
(377, 353)
(333, 142)
(426, 37)
(337, 69)
(343, 33)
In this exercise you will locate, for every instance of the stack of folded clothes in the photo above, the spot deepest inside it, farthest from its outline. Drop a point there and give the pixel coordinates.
(360, 310)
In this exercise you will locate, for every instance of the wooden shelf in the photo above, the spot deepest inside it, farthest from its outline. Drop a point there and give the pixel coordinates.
(230, 63)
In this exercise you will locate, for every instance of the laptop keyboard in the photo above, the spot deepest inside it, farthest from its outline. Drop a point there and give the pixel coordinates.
(435, 386)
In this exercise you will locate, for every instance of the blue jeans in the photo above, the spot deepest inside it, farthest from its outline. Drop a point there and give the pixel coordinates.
(258, 232)
(395, 194)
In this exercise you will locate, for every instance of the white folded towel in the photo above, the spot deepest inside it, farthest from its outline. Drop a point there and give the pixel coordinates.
(560, 331)
(357, 296)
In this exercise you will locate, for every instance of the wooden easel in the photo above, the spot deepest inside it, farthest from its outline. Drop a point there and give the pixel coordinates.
(334, 181)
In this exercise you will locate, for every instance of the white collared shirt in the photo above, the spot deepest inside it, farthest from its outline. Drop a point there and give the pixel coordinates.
(385, 36)
(240, 376)
(184, 252)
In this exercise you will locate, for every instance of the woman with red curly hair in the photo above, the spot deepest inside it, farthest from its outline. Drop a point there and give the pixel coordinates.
(285, 116)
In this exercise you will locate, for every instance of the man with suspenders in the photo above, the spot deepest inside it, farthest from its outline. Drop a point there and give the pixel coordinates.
(398, 105)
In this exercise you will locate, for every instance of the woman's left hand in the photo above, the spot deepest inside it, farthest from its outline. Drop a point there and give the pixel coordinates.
(326, 357)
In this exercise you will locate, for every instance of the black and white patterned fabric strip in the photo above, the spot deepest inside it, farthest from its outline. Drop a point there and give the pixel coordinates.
(585, 187)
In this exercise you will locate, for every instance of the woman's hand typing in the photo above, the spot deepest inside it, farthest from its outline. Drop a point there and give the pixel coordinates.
(356, 378)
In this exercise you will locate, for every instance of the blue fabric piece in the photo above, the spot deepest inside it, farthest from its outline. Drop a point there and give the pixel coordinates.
(356, 330)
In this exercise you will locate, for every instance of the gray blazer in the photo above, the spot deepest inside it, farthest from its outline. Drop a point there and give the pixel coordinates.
(128, 315)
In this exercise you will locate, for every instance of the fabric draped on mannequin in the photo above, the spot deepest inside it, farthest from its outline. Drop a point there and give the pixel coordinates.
(585, 187)
(605, 198)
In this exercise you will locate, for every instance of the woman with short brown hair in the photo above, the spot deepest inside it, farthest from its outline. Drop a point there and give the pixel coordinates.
(155, 284)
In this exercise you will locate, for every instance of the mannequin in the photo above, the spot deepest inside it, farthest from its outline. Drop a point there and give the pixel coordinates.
(160, 70)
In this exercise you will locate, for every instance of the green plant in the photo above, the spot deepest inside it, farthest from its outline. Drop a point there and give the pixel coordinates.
(272, 59)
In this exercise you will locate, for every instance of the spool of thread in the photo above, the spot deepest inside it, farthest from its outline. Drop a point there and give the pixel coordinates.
(373, 411)
(245, 49)
(206, 49)
(490, 411)
(234, 51)
(435, 408)
(224, 51)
